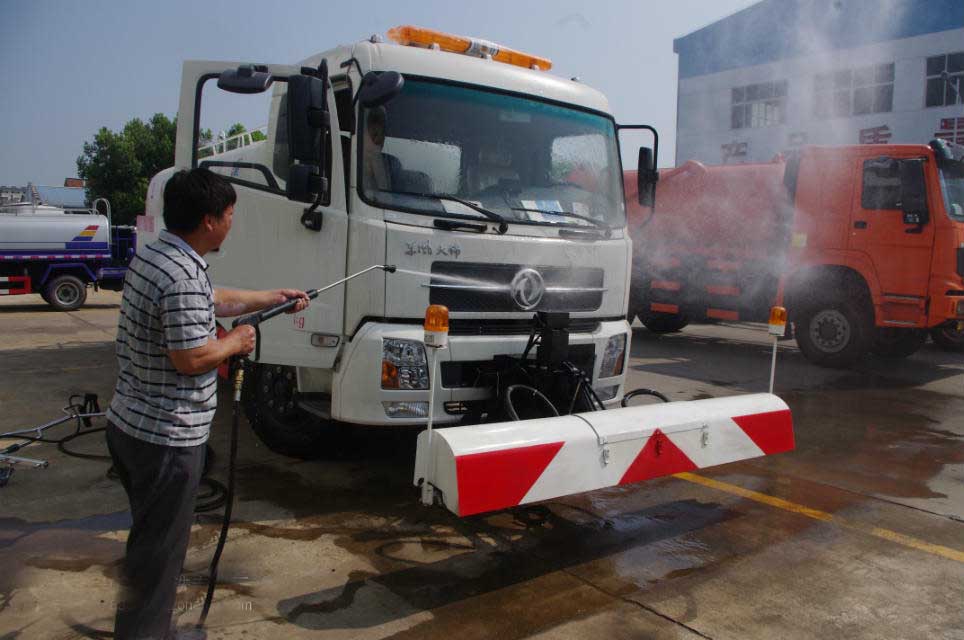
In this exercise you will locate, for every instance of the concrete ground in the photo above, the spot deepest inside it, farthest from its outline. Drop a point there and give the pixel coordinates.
(858, 533)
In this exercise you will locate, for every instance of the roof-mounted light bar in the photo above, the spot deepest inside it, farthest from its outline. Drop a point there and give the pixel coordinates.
(430, 39)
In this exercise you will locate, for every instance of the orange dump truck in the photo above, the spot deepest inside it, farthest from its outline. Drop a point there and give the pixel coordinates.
(864, 245)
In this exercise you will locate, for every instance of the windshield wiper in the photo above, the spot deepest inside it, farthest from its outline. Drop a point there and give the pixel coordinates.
(491, 215)
(569, 214)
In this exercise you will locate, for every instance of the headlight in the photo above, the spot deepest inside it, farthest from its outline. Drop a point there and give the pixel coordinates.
(404, 365)
(614, 356)
(960, 307)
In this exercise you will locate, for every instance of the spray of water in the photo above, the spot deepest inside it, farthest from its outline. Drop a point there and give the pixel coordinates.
(450, 279)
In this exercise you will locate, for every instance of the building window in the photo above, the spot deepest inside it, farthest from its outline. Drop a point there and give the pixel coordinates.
(941, 93)
(759, 105)
(854, 92)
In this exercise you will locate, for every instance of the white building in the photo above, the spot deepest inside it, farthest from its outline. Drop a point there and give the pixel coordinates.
(783, 73)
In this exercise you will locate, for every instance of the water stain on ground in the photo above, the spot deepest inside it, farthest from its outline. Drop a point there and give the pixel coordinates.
(876, 442)
(502, 558)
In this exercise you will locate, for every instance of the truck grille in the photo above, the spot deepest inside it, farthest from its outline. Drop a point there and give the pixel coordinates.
(481, 287)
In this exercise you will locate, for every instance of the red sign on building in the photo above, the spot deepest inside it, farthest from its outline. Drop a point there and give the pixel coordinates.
(734, 151)
(875, 135)
(952, 130)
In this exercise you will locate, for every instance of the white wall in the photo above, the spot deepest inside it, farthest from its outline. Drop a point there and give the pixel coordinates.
(703, 124)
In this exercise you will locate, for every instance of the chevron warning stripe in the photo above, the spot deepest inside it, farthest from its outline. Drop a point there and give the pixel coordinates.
(488, 467)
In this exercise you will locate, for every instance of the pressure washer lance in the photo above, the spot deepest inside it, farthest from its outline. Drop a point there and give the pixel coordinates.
(237, 363)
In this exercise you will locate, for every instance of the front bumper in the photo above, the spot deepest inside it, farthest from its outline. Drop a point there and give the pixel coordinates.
(357, 395)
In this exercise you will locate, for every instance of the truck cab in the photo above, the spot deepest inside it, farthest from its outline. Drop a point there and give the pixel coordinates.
(493, 187)
(876, 248)
(863, 244)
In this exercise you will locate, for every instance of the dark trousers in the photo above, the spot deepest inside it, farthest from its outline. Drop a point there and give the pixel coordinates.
(161, 483)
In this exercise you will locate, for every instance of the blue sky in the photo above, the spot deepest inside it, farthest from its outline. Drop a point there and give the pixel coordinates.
(72, 67)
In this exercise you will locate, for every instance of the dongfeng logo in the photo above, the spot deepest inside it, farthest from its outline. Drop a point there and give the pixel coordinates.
(527, 289)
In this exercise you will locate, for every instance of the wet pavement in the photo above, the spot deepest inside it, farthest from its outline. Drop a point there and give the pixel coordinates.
(858, 533)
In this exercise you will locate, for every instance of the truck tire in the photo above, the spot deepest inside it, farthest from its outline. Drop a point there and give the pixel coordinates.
(65, 293)
(271, 406)
(948, 338)
(898, 343)
(664, 322)
(834, 333)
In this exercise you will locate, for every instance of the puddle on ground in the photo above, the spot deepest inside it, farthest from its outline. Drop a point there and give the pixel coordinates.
(876, 442)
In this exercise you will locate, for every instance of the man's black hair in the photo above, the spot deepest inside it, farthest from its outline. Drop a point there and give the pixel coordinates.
(191, 195)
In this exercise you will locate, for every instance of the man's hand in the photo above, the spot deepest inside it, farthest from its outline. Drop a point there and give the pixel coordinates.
(191, 362)
(283, 295)
(243, 337)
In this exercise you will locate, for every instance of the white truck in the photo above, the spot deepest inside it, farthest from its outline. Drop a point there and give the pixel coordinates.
(494, 187)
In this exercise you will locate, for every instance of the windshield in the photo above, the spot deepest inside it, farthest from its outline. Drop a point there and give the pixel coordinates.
(524, 160)
(952, 186)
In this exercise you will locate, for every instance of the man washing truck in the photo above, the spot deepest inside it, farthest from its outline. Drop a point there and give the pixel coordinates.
(165, 398)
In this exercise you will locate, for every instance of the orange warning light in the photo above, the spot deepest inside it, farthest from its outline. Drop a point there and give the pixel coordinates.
(778, 321)
(428, 38)
(437, 318)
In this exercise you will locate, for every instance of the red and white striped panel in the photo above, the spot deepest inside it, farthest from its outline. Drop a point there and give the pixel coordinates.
(9, 281)
(494, 466)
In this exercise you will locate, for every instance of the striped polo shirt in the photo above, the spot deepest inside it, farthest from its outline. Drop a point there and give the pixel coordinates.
(168, 304)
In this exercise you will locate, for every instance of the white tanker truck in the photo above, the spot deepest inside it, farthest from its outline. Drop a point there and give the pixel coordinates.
(477, 181)
(58, 252)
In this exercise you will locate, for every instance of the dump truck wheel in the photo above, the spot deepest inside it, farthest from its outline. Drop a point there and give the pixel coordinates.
(65, 293)
(898, 343)
(948, 338)
(664, 322)
(834, 333)
(271, 406)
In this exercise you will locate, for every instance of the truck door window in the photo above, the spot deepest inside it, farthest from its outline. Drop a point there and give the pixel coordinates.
(258, 158)
(881, 184)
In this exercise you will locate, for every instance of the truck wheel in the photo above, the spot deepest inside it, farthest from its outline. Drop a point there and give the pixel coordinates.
(835, 333)
(898, 343)
(948, 338)
(664, 322)
(271, 406)
(65, 293)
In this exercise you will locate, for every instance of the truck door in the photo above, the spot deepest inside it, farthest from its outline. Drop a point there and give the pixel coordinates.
(268, 246)
(899, 248)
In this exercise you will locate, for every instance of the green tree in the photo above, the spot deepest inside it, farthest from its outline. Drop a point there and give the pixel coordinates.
(237, 129)
(119, 165)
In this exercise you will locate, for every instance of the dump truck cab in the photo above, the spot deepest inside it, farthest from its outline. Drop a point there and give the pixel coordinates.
(876, 243)
(493, 187)
(862, 244)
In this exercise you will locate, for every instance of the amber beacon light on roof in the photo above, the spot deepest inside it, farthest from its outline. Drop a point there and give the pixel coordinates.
(431, 39)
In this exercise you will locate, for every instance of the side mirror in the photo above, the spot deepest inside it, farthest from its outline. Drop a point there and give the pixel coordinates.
(308, 119)
(379, 88)
(913, 192)
(646, 177)
(245, 79)
(304, 183)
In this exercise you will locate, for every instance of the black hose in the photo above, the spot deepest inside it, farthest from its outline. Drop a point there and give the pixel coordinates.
(643, 392)
(228, 508)
(510, 409)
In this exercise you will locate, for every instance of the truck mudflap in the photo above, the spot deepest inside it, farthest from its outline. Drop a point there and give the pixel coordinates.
(488, 467)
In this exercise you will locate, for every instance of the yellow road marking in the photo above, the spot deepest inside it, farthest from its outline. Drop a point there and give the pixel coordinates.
(816, 514)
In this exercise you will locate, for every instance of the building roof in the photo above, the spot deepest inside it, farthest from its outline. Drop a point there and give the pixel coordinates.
(68, 197)
(778, 29)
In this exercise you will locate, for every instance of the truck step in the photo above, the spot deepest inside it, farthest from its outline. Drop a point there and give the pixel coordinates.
(319, 406)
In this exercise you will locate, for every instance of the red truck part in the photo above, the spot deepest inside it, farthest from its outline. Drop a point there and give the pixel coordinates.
(829, 234)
